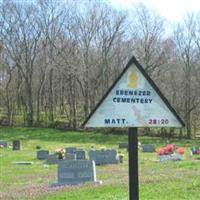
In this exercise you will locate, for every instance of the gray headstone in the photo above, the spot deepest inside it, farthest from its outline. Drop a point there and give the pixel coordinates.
(16, 145)
(42, 154)
(103, 157)
(52, 159)
(72, 172)
(70, 150)
(80, 155)
(149, 148)
(70, 156)
(4, 143)
(123, 145)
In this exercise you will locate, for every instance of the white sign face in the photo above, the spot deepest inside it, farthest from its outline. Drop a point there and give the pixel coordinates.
(133, 102)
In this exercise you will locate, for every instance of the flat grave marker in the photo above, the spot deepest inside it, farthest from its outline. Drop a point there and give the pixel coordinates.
(165, 158)
(172, 157)
(176, 157)
(23, 163)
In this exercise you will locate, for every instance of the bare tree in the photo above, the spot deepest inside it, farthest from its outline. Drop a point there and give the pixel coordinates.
(20, 35)
(187, 54)
(148, 29)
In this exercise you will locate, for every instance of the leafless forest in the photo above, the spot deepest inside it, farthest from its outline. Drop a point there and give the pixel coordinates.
(59, 57)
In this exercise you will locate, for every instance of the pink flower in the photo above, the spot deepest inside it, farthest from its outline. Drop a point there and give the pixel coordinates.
(180, 150)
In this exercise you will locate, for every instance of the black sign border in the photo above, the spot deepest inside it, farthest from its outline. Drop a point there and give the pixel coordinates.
(133, 60)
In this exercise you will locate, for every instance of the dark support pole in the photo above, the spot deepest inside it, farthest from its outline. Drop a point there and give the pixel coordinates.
(133, 164)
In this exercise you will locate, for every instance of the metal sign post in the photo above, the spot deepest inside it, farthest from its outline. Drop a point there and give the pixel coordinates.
(133, 164)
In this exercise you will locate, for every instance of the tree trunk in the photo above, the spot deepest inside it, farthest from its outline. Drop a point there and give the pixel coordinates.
(30, 105)
(51, 102)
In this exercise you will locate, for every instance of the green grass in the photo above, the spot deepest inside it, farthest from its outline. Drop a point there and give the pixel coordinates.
(171, 180)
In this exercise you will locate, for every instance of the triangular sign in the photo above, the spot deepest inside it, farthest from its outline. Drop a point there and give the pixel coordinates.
(133, 101)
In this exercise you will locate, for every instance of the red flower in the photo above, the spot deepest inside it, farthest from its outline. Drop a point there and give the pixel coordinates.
(198, 151)
(161, 151)
(170, 148)
(180, 150)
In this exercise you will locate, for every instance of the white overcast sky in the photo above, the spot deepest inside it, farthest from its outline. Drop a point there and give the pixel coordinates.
(172, 10)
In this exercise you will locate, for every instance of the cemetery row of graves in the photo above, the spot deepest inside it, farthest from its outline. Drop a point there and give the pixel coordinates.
(76, 164)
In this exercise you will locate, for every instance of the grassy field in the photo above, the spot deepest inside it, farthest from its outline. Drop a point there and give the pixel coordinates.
(159, 181)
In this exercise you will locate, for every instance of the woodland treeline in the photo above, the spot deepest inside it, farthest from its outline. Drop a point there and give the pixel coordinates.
(57, 59)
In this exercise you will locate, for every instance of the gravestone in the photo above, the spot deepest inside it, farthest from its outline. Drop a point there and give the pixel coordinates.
(42, 154)
(173, 157)
(149, 148)
(23, 163)
(80, 155)
(70, 156)
(72, 172)
(103, 157)
(121, 158)
(70, 150)
(176, 157)
(4, 144)
(52, 159)
(16, 145)
(165, 158)
(123, 145)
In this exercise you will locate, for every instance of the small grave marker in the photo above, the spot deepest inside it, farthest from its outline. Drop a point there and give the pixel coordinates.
(72, 172)
(176, 157)
(70, 150)
(4, 143)
(42, 154)
(52, 159)
(149, 148)
(172, 157)
(123, 145)
(121, 158)
(16, 145)
(80, 155)
(165, 158)
(23, 163)
(103, 157)
(70, 156)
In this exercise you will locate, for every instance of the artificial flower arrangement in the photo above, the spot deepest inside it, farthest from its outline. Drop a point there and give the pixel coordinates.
(61, 153)
(195, 150)
(170, 149)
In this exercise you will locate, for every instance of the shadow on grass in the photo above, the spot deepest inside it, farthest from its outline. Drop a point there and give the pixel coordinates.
(45, 134)
(59, 136)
